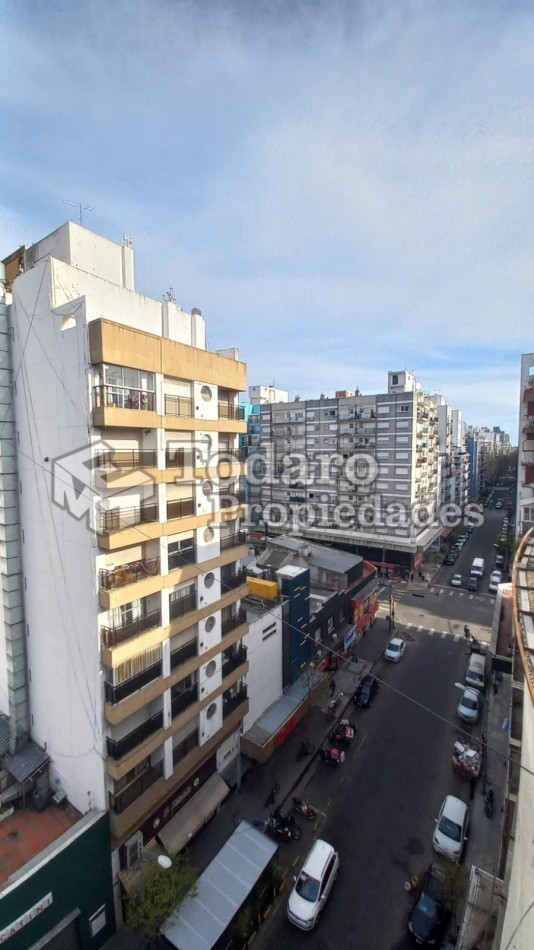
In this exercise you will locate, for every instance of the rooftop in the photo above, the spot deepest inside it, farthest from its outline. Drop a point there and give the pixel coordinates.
(329, 559)
(24, 833)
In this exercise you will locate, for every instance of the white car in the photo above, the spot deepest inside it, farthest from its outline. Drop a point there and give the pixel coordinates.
(313, 885)
(452, 825)
(494, 581)
(457, 580)
(469, 706)
(395, 650)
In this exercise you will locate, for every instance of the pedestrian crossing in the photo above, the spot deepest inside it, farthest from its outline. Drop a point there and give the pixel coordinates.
(433, 632)
(480, 598)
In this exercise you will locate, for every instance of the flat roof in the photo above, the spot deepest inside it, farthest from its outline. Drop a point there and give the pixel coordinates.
(25, 833)
(329, 558)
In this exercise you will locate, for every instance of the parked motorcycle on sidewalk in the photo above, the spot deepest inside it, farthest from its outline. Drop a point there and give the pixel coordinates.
(333, 704)
(489, 802)
(303, 808)
(343, 732)
(283, 826)
(306, 748)
(332, 755)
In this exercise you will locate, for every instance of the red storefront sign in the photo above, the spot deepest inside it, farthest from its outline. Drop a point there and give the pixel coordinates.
(363, 611)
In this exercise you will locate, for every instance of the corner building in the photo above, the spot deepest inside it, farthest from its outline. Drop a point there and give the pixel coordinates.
(127, 431)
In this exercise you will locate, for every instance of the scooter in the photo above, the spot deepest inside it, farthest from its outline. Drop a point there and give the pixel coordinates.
(303, 808)
(283, 826)
(333, 704)
(489, 802)
(333, 755)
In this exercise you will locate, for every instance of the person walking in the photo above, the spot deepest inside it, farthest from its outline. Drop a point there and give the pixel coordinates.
(332, 687)
(467, 633)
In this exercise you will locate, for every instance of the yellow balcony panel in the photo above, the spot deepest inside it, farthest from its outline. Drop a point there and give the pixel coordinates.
(112, 416)
(124, 346)
(128, 537)
(138, 476)
(124, 825)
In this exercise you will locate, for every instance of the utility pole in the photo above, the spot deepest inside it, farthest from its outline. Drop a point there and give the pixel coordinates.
(391, 608)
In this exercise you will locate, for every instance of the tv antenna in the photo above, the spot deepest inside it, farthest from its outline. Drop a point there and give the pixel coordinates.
(81, 208)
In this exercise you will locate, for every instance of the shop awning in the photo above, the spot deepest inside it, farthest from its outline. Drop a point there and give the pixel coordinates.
(176, 833)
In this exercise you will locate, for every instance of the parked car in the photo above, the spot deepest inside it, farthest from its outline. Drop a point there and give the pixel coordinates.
(366, 692)
(313, 885)
(469, 706)
(449, 559)
(498, 504)
(472, 583)
(452, 824)
(457, 580)
(430, 915)
(395, 649)
(494, 581)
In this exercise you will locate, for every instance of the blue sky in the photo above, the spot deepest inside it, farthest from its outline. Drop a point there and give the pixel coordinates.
(343, 188)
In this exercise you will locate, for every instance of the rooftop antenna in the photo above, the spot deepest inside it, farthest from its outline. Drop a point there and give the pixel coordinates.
(128, 241)
(169, 296)
(81, 208)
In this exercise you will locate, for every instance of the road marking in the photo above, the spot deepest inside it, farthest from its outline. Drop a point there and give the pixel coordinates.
(451, 592)
(431, 631)
(364, 737)
(470, 597)
(420, 627)
(444, 633)
(432, 589)
(461, 593)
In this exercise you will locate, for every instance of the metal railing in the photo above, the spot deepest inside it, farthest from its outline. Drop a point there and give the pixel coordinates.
(181, 406)
(233, 540)
(233, 702)
(128, 573)
(230, 499)
(182, 557)
(116, 518)
(178, 457)
(126, 460)
(122, 397)
(177, 608)
(182, 701)
(184, 653)
(184, 747)
(229, 411)
(233, 580)
(181, 508)
(117, 748)
(122, 800)
(116, 693)
(233, 660)
(120, 633)
(231, 623)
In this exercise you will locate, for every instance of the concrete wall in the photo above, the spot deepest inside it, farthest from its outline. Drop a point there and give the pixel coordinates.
(264, 678)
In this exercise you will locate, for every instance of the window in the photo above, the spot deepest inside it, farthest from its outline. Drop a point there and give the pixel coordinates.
(383, 410)
(403, 425)
(405, 407)
(394, 380)
(181, 552)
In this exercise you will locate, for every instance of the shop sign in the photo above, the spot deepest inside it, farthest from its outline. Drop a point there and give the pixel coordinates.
(26, 918)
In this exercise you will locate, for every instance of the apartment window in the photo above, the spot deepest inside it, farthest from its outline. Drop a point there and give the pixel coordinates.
(402, 456)
(405, 407)
(382, 440)
(403, 424)
(401, 471)
(383, 410)
(402, 440)
(181, 552)
(382, 455)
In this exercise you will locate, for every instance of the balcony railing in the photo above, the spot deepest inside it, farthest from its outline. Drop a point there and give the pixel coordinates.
(117, 748)
(121, 397)
(178, 458)
(182, 701)
(117, 518)
(181, 406)
(115, 694)
(120, 633)
(233, 540)
(233, 660)
(182, 557)
(233, 702)
(128, 573)
(181, 508)
(127, 460)
(233, 581)
(237, 455)
(230, 499)
(229, 411)
(178, 608)
(231, 623)
(183, 748)
(183, 653)
(122, 800)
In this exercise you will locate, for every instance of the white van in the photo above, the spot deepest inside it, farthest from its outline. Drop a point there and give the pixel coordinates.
(313, 885)
(478, 567)
(475, 675)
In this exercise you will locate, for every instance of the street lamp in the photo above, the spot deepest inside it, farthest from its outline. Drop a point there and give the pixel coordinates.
(164, 861)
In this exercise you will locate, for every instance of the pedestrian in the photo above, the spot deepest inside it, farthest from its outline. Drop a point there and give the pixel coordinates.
(332, 686)
(467, 633)
(411, 575)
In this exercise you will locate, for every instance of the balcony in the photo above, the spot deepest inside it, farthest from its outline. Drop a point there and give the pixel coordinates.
(232, 659)
(229, 411)
(183, 605)
(181, 508)
(127, 573)
(122, 800)
(181, 701)
(182, 750)
(231, 499)
(231, 623)
(233, 540)
(115, 694)
(118, 748)
(179, 406)
(120, 397)
(527, 458)
(178, 458)
(232, 581)
(127, 460)
(184, 653)
(182, 557)
(120, 633)
(231, 703)
(117, 518)
(236, 455)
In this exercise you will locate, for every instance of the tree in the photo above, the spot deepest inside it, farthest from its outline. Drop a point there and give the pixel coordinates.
(164, 892)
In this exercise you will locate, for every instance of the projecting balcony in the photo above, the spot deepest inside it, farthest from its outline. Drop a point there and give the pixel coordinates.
(182, 557)
(231, 499)
(527, 458)
(124, 460)
(233, 540)
(229, 411)
(181, 701)
(528, 424)
(118, 748)
(182, 654)
(121, 397)
(181, 508)
(116, 693)
(121, 632)
(235, 580)
(119, 802)
(128, 573)
(231, 703)
(231, 623)
(115, 519)
(182, 606)
(178, 458)
(187, 745)
(231, 659)
(179, 406)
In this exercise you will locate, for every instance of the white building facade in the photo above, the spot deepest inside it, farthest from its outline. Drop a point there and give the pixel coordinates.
(525, 461)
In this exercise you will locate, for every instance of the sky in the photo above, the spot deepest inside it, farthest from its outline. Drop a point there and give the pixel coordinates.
(344, 188)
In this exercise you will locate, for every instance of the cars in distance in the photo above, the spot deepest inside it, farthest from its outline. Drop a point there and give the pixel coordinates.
(494, 581)
(457, 580)
(450, 833)
(395, 650)
(449, 559)
(498, 504)
(472, 583)
(313, 885)
(366, 691)
(430, 915)
(469, 706)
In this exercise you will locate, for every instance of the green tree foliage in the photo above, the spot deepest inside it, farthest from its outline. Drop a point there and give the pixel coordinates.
(164, 892)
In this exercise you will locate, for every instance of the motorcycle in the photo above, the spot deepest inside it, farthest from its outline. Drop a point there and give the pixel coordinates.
(489, 802)
(283, 826)
(306, 748)
(343, 732)
(333, 704)
(303, 808)
(332, 755)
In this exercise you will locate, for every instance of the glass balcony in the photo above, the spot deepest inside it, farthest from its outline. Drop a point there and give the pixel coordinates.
(122, 397)
(232, 581)
(183, 748)
(126, 460)
(230, 499)
(182, 557)
(181, 701)
(121, 632)
(178, 458)
(180, 406)
(184, 653)
(233, 540)
(128, 573)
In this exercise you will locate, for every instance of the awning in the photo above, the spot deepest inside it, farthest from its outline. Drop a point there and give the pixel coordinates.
(176, 833)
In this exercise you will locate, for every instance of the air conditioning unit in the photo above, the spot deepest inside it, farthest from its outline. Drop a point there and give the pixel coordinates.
(133, 848)
(305, 550)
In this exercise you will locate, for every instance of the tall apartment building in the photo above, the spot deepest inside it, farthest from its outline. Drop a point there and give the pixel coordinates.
(357, 471)
(525, 461)
(125, 442)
